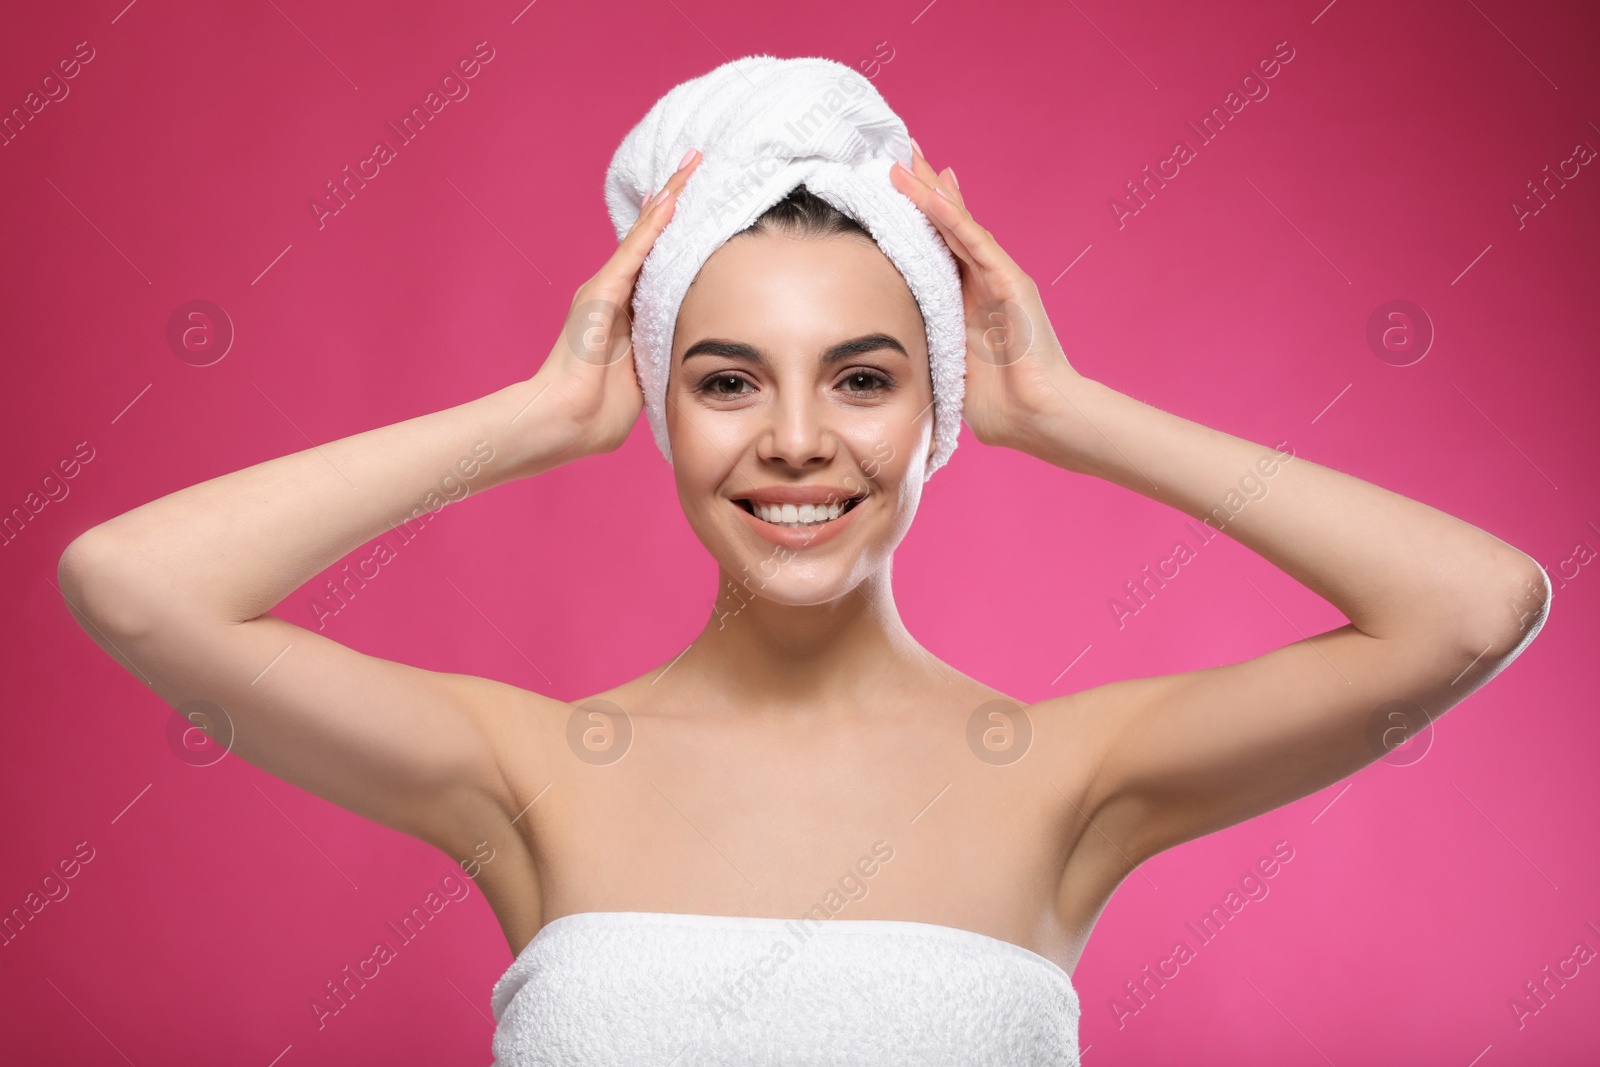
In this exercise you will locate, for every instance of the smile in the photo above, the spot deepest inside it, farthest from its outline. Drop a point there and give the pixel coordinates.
(797, 526)
(798, 517)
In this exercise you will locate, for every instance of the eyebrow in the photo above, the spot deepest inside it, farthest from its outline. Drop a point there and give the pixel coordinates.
(749, 353)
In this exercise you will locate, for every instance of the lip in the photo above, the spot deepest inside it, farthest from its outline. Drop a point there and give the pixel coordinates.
(800, 494)
(789, 537)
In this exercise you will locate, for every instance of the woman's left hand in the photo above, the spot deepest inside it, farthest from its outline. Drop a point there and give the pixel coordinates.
(1017, 373)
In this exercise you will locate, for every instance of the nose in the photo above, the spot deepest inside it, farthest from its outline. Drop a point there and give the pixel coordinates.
(798, 430)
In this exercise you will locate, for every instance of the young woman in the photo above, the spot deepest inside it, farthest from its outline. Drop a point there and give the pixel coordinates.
(804, 749)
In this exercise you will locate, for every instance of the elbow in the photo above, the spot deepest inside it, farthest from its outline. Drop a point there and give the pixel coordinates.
(1509, 618)
(95, 579)
(72, 570)
(1531, 594)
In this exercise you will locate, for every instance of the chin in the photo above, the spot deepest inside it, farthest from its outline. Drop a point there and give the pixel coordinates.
(787, 566)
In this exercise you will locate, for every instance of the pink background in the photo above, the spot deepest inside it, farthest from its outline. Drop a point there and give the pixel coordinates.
(1381, 166)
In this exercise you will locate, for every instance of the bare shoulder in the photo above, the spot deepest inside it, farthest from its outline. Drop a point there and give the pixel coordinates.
(1063, 737)
(1058, 743)
(1075, 731)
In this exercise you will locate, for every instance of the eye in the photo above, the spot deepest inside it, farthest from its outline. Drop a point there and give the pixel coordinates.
(861, 381)
(710, 385)
(877, 382)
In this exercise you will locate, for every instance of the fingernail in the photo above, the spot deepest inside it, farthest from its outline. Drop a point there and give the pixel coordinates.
(918, 147)
(953, 179)
(646, 201)
(684, 162)
(940, 190)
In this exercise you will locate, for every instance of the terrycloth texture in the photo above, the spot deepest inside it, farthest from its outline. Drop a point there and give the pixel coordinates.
(765, 125)
(625, 988)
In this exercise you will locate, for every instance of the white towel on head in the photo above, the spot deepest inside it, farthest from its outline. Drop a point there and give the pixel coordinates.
(765, 125)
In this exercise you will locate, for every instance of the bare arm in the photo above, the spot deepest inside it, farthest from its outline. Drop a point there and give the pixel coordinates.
(1436, 607)
(1395, 567)
(236, 545)
(178, 590)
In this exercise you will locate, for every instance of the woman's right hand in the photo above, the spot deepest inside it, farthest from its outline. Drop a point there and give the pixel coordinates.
(588, 380)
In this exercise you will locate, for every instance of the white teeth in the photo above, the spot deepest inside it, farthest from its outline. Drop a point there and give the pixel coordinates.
(797, 516)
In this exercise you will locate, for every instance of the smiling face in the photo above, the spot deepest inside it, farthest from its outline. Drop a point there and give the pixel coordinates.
(799, 372)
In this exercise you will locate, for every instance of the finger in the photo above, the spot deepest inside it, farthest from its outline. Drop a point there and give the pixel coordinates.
(975, 245)
(654, 214)
(680, 177)
(950, 183)
(638, 218)
(675, 182)
(943, 213)
(923, 169)
(674, 185)
(630, 255)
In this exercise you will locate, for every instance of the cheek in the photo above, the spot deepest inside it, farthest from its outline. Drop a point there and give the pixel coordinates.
(692, 436)
(889, 449)
(707, 434)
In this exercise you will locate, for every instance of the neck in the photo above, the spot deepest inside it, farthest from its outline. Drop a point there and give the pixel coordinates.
(842, 657)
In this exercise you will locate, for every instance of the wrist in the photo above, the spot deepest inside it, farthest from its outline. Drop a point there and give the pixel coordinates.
(528, 426)
(1063, 432)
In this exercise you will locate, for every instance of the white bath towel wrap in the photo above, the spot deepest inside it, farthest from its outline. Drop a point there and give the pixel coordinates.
(653, 989)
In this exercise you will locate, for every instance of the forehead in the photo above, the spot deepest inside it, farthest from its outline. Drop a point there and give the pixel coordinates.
(779, 291)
